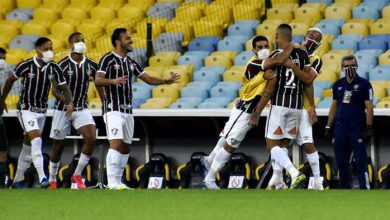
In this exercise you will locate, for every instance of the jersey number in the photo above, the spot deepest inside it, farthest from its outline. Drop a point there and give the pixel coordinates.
(290, 76)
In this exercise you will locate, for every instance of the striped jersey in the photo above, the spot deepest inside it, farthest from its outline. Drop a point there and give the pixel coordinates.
(36, 83)
(289, 88)
(316, 64)
(118, 98)
(77, 77)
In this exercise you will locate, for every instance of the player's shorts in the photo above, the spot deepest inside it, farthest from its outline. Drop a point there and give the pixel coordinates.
(61, 125)
(236, 127)
(3, 136)
(31, 120)
(119, 126)
(282, 123)
(305, 132)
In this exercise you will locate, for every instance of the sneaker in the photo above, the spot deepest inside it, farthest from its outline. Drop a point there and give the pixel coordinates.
(205, 164)
(18, 185)
(78, 180)
(120, 186)
(53, 185)
(297, 181)
(45, 183)
(210, 185)
(318, 186)
(277, 186)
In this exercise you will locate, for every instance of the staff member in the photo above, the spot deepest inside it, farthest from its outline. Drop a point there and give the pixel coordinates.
(352, 112)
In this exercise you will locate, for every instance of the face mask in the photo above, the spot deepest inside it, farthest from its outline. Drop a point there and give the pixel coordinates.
(2, 63)
(47, 56)
(79, 47)
(263, 54)
(311, 45)
(350, 71)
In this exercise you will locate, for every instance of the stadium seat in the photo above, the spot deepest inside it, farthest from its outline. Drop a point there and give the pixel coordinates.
(207, 29)
(329, 28)
(98, 11)
(201, 46)
(237, 38)
(327, 75)
(232, 75)
(325, 103)
(218, 60)
(207, 75)
(186, 103)
(298, 39)
(337, 12)
(162, 61)
(62, 29)
(342, 43)
(43, 15)
(200, 54)
(380, 28)
(285, 14)
(365, 57)
(21, 43)
(232, 85)
(28, 4)
(355, 28)
(386, 12)
(167, 42)
(229, 54)
(380, 73)
(33, 28)
(384, 59)
(141, 91)
(90, 30)
(241, 28)
(184, 77)
(365, 11)
(194, 91)
(230, 45)
(191, 59)
(299, 28)
(220, 102)
(204, 84)
(308, 15)
(369, 43)
(266, 29)
(74, 13)
(379, 90)
(243, 58)
(245, 12)
(166, 91)
(332, 59)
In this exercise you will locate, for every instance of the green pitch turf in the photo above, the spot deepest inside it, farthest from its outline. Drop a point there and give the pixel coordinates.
(194, 204)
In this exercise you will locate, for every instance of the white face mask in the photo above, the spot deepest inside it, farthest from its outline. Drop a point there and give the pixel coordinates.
(79, 47)
(2, 63)
(47, 56)
(263, 54)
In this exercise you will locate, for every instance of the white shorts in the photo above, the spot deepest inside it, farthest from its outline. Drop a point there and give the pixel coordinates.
(61, 125)
(119, 126)
(31, 120)
(305, 133)
(236, 127)
(282, 123)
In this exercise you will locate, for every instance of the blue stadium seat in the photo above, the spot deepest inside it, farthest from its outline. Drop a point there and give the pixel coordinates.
(380, 72)
(236, 29)
(137, 102)
(216, 69)
(215, 103)
(233, 85)
(381, 37)
(342, 43)
(326, 103)
(186, 103)
(201, 46)
(378, 4)
(369, 43)
(239, 38)
(207, 75)
(51, 103)
(204, 84)
(366, 11)
(298, 38)
(327, 2)
(364, 57)
(168, 42)
(330, 28)
(201, 54)
(243, 58)
(212, 39)
(318, 91)
(374, 52)
(323, 84)
(220, 91)
(230, 45)
(163, 10)
(191, 59)
(355, 37)
(248, 23)
(194, 92)
(141, 91)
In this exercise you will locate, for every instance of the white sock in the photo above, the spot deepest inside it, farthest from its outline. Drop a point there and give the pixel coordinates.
(123, 158)
(53, 169)
(277, 174)
(112, 164)
(24, 162)
(83, 161)
(281, 158)
(219, 145)
(219, 161)
(37, 158)
(314, 161)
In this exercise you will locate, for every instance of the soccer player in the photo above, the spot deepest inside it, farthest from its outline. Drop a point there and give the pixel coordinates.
(284, 116)
(305, 133)
(36, 74)
(238, 125)
(77, 70)
(115, 71)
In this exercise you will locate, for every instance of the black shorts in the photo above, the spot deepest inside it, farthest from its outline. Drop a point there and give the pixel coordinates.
(3, 136)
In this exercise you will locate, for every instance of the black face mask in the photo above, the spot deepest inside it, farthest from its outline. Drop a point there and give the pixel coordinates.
(311, 45)
(350, 71)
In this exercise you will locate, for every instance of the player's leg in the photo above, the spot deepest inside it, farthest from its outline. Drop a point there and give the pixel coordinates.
(342, 153)
(360, 155)
(24, 162)
(206, 161)
(3, 153)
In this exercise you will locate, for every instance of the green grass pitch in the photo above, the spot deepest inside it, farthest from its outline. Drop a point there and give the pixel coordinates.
(194, 204)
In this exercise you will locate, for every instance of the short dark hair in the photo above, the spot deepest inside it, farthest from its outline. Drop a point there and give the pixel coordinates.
(257, 39)
(2, 50)
(285, 30)
(73, 35)
(348, 57)
(41, 41)
(117, 34)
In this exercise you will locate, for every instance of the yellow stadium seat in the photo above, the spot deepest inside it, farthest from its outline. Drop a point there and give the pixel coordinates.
(299, 28)
(13, 59)
(323, 48)
(162, 61)
(34, 28)
(184, 28)
(188, 69)
(327, 93)
(245, 12)
(139, 42)
(379, 91)
(95, 21)
(337, 12)
(56, 6)
(228, 54)
(267, 29)
(12, 101)
(103, 43)
(90, 30)
(326, 74)
(332, 59)
(154, 71)
(71, 21)
(354, 3)
(156, 103)
(28, 3)
(8, 31)
(58, 43)
(218, 60)
(60, 29)
(198, 4)
(366, 21)
(380, 83)
(83, 4)
(98, 11)
(166, 91)
(258, 4)
(6, 5)
(120, 23)
(92, 91)
(238, 68)
(285, 14)
(74, 13)
(184, 77)
(233, 103)
(171, 54)
(225, 13)
(141, 4)
(17, 52)
(308, 15)
(95, 103)
(384, 58)
(292, 6)
(383, 104)
(46, 23)
(42, 14)
(131, 13)
(141, 30)
(161, 22)
(213, 19)
(113, 4)
(14, 23)
(188, 14)
(179, 1)
(380, 28)
(207, 29)
(386, 12)
(355, 28)
(318, 5)
(232, 75)
(328, 38)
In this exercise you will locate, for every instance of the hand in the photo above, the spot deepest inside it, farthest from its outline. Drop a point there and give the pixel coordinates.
(69, 110)
(174, 77)
(289, 63)
(254, 119)
(313, 115)
(367, 133)
(328, 133)
(120, 81)
(3, 106)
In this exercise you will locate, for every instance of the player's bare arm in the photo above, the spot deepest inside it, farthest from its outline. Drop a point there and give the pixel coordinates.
(369, 112)
(331, 117)
(68, 99)
(7, 87)
(102, 81)
(309, 91)
(157, 81)
(278, 60)
(307, 76)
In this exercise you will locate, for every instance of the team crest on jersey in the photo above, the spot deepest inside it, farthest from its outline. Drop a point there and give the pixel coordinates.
(116, 66)
(30, 75)
(356, 87)
(234, 141)
(51, 76)
(22, 106)
(31, 123)
(132, 67)
(340, 88)
(56, 132)
(114, 131)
